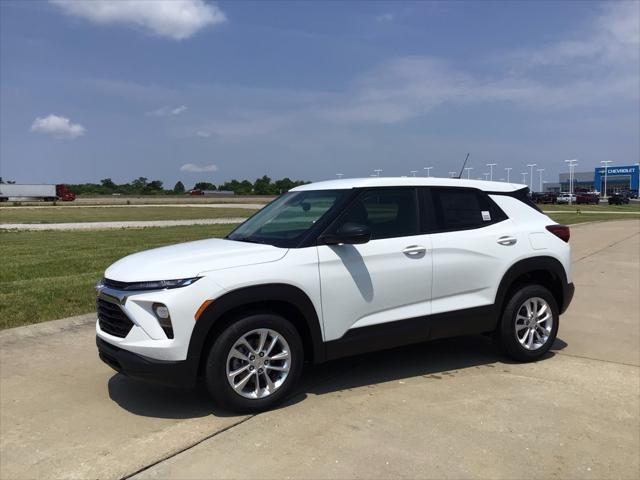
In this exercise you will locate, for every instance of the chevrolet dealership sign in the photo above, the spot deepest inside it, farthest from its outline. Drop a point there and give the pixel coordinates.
(623, 177)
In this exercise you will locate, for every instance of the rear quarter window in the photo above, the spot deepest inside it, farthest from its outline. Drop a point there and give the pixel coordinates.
(463, 209)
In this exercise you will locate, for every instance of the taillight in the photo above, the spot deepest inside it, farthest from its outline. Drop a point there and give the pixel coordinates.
(560, 231)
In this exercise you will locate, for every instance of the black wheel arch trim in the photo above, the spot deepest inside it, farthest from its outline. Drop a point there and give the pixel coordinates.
(256, 295)
(535, 264)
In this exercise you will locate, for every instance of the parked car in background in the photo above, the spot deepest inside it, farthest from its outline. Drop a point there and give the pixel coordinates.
(618, 198)
(629, 193)
(587, 198)
(544, 197)
(334, 269)
(566, 198)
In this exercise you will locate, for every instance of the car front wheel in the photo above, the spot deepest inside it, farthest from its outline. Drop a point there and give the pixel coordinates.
(529, 323)
(254, 363)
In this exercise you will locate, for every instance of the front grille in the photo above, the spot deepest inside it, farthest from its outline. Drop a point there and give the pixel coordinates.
(114, 284)
(112, 319)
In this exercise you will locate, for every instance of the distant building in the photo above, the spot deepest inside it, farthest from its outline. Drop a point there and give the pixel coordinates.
(620, 178)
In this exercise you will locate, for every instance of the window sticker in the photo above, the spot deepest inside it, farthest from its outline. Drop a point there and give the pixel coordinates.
(486, 216)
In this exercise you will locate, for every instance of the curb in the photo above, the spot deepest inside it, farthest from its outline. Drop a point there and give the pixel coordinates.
(49, 327)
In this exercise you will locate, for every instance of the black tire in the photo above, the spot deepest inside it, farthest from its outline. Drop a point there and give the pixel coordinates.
(506, 332)
(216, 367)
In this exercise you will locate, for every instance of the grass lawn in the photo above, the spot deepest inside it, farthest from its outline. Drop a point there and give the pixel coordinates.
(591, 208)
(115, 214)
(571, 218)
(593, 213)
(50, 275)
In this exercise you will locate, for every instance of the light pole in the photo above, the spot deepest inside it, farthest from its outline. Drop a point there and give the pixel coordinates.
(413, 173)
(377, 171)
(572, 163)
(491, 165)
(508, 169)
(524, 177)
(468, 169)
(540, 170)
(428, 169)
(531, 165)
(606, 167)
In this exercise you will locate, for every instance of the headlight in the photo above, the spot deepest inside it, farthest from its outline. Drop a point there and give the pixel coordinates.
(152, 285)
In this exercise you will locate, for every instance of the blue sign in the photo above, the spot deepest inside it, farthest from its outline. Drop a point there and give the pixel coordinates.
(613, 173)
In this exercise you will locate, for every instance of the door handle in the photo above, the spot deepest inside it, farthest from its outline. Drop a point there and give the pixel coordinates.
(414, 250)
(506, 240)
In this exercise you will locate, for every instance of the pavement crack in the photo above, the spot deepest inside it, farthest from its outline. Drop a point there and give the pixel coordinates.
(606, 247)
(188, 447)
(596, 359)
(299, 391)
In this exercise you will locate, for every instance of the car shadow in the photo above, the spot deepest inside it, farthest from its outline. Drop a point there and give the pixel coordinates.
(422, 359)
(151, 400)
(430, 359)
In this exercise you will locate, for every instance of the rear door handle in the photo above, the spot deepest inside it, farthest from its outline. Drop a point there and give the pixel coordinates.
(414, 250)
(506, 240)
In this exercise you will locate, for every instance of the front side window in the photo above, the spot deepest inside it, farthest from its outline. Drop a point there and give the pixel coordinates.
(287, 219)
(387, 212)
(463, 209)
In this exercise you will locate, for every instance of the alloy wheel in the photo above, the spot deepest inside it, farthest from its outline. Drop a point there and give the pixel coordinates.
(534, 322)
(258, 363)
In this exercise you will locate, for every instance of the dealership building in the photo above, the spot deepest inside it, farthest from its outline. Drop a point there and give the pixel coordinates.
(626, 177)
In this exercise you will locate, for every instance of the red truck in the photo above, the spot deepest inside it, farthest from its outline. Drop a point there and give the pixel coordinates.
(30, 192)
(585, 197)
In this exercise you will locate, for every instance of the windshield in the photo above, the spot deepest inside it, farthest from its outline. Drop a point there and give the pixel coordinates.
(284, 221)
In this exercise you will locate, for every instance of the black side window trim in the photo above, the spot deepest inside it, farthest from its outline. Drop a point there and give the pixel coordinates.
(361, 191)
(434, 219)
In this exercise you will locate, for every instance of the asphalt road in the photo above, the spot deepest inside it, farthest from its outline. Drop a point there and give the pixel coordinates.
(451, 409)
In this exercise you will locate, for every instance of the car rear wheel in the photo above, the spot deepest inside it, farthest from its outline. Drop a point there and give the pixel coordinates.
(529, 323)
(254, 363)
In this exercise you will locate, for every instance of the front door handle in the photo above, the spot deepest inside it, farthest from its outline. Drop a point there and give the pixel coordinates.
(506, 240)
(414, 250)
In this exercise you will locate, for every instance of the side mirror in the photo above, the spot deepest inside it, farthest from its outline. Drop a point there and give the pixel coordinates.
(349, 233)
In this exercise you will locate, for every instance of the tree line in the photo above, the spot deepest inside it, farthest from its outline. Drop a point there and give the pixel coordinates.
(144, 186)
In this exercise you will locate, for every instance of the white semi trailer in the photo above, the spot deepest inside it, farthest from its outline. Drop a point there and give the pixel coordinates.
(27, 192)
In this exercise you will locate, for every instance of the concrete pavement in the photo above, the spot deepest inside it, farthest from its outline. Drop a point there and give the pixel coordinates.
(451, 408)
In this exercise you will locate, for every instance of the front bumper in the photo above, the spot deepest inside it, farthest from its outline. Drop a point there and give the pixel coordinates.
(175, 374)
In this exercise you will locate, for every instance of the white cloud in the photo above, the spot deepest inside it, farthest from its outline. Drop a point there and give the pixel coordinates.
(58, 127)
(176, 19)
(598, 66)
(385, 17)
(193, 168)
(164, 111)
(612, 38)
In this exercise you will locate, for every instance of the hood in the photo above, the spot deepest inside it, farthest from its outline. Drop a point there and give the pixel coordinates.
(187, 260)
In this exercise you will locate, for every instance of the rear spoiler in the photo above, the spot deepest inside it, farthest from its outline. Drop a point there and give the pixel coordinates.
(521, 194)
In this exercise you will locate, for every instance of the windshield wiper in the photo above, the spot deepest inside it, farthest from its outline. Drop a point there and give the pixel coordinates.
(247, 239)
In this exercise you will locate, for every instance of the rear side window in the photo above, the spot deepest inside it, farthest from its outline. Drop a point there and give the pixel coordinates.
(387, 212)
(464, 209)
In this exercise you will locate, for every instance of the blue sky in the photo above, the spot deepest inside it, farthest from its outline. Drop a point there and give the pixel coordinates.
(193, 90)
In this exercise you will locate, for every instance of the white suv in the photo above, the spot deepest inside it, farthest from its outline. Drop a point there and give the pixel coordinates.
(332, 269)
